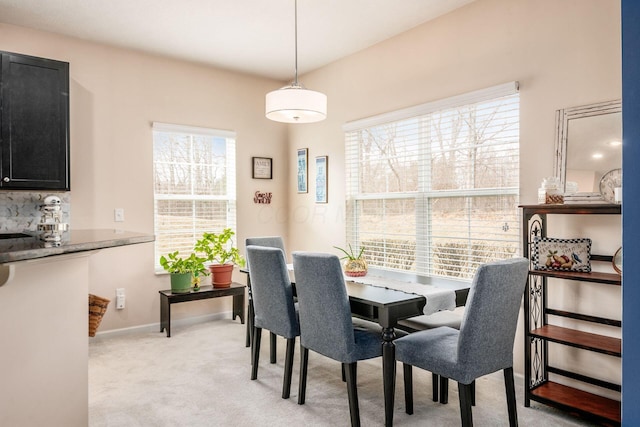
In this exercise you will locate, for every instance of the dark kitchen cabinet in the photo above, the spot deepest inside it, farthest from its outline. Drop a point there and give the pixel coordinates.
(34, 123)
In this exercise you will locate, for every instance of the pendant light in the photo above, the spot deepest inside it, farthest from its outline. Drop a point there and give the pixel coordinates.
(295, 103)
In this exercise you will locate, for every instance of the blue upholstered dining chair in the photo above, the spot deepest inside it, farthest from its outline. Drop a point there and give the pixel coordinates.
(271, 242)
(452, 319)
(484, 343)
(273, 305)
(326, 326)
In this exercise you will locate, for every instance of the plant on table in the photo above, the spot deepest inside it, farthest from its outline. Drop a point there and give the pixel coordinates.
(218, 249)
(184, 271)
(355, 265)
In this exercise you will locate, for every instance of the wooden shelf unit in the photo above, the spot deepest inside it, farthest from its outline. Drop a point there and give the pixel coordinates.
(539, 333)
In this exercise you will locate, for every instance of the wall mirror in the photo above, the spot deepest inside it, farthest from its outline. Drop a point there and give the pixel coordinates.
(588, 144)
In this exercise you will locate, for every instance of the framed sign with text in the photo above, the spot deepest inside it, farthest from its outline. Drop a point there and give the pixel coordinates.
(262, 168)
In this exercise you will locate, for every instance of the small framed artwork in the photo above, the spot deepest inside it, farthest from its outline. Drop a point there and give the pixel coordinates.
(303, 154)
(262, 168)
(322, 164)
(562, 254)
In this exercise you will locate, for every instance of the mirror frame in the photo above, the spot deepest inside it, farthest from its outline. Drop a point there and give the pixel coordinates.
(563, 117)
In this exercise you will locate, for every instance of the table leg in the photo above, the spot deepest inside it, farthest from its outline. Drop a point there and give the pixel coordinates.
(388, 373)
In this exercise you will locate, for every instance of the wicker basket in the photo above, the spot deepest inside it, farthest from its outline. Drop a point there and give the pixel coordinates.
(97, 308)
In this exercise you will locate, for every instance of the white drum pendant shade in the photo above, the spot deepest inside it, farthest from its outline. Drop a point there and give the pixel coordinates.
(295, 104)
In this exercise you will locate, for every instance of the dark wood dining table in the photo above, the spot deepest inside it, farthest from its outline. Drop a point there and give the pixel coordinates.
(386, 307)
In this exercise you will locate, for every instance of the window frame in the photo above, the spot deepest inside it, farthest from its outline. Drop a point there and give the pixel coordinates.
(424, 194)
(230, 196)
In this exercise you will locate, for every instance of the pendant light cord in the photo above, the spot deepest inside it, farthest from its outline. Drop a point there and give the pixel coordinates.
(295, 82)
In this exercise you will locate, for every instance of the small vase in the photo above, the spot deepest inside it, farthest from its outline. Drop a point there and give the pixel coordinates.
(221, 275)
(355, 267)
(195, 281)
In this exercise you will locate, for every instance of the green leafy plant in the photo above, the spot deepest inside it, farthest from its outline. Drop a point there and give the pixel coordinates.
(218, 248)
(174, 263)
(350, 254)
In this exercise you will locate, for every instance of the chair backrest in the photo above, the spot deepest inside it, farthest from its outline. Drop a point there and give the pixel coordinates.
(488, 327)
(272, 291)
(269, 241)
(325, 314)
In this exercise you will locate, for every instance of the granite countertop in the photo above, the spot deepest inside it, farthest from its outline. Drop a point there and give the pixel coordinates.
(26, 248)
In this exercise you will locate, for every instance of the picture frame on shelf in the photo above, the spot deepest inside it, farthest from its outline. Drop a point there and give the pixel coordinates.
(562, 254)
(617, 261)
(303, 169)
(322, 175)
(262, 168)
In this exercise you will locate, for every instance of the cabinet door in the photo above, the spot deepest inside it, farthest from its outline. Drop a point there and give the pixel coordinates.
(34, 123)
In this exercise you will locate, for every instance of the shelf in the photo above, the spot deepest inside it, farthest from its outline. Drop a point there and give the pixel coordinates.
(585, 340)
(592, 208)
(587, 404)
(594, 276)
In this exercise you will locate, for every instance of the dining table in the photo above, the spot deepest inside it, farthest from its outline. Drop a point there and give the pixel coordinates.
(386, 306)
(382, 301)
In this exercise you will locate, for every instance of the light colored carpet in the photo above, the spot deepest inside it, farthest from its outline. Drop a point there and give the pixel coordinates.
(200, 377)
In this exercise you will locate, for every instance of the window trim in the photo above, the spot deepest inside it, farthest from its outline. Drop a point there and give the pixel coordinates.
(230, 160)
(423, 271)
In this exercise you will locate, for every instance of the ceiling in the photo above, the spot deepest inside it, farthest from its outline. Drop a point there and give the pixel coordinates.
(249, 36)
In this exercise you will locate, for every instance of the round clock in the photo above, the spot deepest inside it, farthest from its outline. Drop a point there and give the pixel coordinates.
(608, 184)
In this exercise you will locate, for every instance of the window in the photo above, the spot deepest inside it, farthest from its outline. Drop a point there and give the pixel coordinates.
(433, 190)
(194, 185)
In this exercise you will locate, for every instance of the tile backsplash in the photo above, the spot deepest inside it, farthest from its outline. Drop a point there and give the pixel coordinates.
(20, 210)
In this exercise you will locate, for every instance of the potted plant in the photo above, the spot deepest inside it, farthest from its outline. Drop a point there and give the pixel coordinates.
(219, 250)
(184, 271)
(355, 265)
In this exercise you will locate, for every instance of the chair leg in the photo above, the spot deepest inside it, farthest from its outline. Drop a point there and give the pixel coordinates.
(272, 353)
(352, 391)
(408, 388)
(464, 391)
(444, 389)
(288, 368)
(255, 352)
(435, 379)
(302, 385)
(250, 316)
(511, 397)
(473, 393)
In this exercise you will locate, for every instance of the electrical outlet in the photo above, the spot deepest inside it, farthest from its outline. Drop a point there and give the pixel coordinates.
(120, 298)
(118, 215)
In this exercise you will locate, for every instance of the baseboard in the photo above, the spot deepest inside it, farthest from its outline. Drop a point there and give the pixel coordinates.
(155, 327)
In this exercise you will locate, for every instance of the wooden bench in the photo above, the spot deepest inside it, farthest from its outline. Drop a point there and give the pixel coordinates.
(236, 290)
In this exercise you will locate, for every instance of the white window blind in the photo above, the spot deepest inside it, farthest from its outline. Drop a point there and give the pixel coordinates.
(433, 190)
(194, 185)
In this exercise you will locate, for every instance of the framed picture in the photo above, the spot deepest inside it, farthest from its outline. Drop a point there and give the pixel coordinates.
(303, 154)
(262, 168)
(562, 254)
(322, 164)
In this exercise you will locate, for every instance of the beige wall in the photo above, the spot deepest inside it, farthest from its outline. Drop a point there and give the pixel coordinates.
(115, 95)
(563, 53)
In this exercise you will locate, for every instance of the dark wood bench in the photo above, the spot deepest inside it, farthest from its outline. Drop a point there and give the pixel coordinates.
(236, 290)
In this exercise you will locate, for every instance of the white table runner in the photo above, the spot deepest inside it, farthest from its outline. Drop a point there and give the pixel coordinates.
(437, 298)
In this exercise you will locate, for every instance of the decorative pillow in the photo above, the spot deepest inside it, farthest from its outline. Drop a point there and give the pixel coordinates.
(561, 254)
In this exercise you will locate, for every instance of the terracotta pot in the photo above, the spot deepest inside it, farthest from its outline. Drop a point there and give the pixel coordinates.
(221, 275)
(355, 267)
